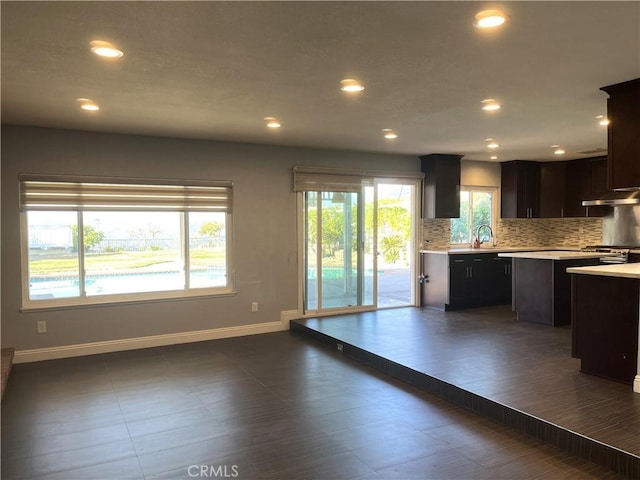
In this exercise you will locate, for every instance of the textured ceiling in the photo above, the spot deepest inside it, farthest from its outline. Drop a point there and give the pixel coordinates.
(214, 70)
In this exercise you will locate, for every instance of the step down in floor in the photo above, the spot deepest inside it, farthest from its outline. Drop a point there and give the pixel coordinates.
(597, 452)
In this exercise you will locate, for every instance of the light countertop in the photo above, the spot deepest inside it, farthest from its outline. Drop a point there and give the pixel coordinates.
(626, 270)
(466, 250)
(555, 255)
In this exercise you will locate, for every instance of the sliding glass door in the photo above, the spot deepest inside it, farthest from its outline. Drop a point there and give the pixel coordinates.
(334, 267)
(359, 247)
(395, 214)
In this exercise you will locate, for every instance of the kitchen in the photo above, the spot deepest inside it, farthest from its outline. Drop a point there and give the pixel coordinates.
(542, 271)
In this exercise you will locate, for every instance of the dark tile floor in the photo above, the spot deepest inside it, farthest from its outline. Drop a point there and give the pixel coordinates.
(274, 406)
(488, 352)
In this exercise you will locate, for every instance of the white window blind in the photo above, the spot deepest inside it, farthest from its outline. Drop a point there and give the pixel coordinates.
(320, 179)
(65, 193)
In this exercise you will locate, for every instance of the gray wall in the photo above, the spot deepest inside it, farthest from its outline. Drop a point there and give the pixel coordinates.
(264, 227)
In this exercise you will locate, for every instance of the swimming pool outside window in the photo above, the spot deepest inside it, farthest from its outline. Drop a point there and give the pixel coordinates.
(88, 241)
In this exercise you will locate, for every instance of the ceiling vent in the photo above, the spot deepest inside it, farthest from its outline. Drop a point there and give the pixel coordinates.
(595, 151)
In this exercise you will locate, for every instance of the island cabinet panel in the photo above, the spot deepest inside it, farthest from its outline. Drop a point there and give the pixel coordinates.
(623, 111)
(542, 289)
(520, 189)
(605, 325)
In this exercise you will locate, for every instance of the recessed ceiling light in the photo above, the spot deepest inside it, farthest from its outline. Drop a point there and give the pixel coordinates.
(493, 145)
(388, 133)
(602, 120)
(558, 150)
(490, 104)
(88, 104)
(489, 19)
(105, 49)
(493, 157)
(272, 122)
(351, 85)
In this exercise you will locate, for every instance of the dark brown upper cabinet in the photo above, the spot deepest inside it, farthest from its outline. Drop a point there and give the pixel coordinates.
(623, 112)
(562, 186)
(441, 194)
(520, 185)
(586, 179)
(553, 184)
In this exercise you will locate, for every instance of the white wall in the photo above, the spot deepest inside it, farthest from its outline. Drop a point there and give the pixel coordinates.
(264, 222)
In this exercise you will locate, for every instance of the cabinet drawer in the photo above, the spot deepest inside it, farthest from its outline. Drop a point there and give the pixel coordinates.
(470, 258)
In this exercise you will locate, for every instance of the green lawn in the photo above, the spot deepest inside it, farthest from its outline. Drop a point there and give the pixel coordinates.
(122, 261)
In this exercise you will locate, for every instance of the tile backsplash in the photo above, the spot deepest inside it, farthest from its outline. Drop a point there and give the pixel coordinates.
(524, 232)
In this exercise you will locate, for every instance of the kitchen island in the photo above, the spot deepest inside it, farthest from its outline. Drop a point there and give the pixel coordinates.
(606, 314)
(542, 286)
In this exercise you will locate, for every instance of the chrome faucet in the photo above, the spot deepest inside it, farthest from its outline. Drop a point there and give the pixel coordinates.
(485, 225)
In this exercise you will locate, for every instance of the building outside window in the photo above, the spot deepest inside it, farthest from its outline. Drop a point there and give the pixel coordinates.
(477, 207)
(87, 242)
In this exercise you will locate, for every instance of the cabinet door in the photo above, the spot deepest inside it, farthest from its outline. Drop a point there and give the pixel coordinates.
(553, 179)
(499, 280)
(578, 188)
(623, 111)
(586, 179)
(519, 189)
(598, 175)
(598, 178)
(480, 292)
(532, 189)
(459, 281)
(509, 190)
(441, 194)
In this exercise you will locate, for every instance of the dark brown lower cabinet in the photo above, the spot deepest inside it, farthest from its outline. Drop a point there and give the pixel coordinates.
(605, 325)
(465, 280)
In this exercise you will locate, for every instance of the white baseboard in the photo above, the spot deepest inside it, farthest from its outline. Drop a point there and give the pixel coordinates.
(287, 315)
(78, 350)
(636, 383)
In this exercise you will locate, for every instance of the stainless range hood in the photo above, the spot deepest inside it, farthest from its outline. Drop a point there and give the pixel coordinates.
(615, 199)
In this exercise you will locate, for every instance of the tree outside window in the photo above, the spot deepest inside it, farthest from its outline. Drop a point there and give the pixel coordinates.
(476, 208)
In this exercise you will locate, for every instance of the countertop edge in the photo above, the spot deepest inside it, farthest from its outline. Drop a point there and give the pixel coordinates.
(557, 255)
(625, 270)
(466, 251)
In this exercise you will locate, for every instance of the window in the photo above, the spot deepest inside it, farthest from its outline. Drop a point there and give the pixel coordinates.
(477, 207)
(93, 241)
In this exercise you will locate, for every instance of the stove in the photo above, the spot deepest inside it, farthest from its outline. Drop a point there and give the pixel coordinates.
(619, 253)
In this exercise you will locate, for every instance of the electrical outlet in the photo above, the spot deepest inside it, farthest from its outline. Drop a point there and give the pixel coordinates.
(42, 326)
(254, 306)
